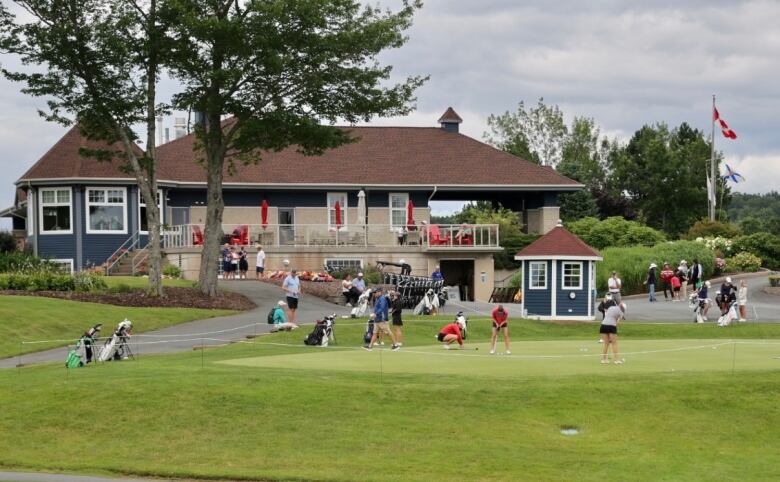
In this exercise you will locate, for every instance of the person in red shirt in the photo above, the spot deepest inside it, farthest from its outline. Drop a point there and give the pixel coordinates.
(450, 334)
(666, 278)
(500, 323)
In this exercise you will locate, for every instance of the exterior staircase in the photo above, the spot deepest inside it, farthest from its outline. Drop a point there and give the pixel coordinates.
(131, 263)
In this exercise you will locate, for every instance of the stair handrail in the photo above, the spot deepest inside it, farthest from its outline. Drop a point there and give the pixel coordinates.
(500, 283)
(122, 251)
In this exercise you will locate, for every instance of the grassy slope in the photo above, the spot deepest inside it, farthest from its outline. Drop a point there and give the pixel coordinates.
(31, 318)
(143, 282)
(183, 415)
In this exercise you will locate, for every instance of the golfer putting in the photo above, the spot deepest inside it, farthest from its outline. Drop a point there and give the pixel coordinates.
(500, 323)
(608, 332)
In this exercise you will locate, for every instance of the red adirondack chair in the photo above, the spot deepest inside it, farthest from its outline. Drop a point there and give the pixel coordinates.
(197, 235)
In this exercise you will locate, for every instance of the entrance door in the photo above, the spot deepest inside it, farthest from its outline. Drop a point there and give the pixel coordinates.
(286, 226)
(459, 272)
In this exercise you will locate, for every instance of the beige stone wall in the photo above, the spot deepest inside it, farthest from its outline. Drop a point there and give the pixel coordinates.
(534, 218)
(549, 218)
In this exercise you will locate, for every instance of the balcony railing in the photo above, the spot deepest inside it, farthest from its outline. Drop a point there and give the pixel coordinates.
(455, 236)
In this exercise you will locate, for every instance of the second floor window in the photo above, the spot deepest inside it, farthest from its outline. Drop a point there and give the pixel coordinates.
(398, 203)
(333, 197)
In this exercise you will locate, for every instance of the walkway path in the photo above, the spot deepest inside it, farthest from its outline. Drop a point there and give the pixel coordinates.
(233, 328)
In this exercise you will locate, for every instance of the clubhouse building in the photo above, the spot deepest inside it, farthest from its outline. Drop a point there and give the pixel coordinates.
(352, 206)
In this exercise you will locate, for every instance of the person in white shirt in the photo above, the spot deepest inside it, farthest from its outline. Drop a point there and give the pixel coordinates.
(742, 300)
(260, 265)
(614, 284)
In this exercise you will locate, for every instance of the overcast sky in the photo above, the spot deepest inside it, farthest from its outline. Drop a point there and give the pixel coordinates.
(624, 63)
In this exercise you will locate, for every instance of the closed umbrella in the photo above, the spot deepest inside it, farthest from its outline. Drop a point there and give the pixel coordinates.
(337, 208)
(264, 214)
(361, 208)
(410, 214)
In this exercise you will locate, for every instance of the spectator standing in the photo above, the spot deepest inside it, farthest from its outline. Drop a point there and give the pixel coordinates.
(609, 332)
(703, 298)
(500, 323)
(683, 273)
(243, 262)
(292, 288)
(437, 275)
(396, 307)
(676, 287)
(697, 274)
(742, 300)
(280, 319)
(379, 317)
(728, 293)
(401, 232)
(226, 259)
(614, 285)
(651, 282)
(260, 264)
(234, 258)
(666, 280)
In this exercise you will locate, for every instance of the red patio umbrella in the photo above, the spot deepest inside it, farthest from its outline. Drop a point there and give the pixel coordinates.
(337, 207)
(410, 214)
(264, 214)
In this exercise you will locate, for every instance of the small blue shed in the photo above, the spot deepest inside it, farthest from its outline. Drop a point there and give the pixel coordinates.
(559, 277)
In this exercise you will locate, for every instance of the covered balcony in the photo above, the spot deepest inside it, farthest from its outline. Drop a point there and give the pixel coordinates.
(448, 237)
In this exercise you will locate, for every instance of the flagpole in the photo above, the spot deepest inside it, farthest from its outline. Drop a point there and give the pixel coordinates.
(711, 193)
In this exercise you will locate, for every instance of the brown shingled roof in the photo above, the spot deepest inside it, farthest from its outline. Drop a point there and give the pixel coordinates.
(558, 242)
(382, 155)
(63, 160)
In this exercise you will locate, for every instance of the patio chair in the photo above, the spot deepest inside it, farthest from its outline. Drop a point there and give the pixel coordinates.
(240, 235)
(435, 236)
(197, 235)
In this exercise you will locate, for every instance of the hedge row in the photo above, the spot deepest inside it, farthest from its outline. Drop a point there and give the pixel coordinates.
(633, 262)
(19, 261)
(48, 281)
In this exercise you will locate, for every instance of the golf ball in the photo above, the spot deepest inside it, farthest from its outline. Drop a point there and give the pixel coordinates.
(477, 348)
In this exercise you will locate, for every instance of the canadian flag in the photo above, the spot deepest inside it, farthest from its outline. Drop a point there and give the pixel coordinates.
(723, 126)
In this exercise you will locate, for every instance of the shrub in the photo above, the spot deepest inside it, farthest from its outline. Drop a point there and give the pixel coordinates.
(516, 280)
(764, 245)
(42, 281)
(7, 242)
(615, 231)
(171, 271)
(719, 245)
(711, 229)
(120, 288)
(774, 281)
(632, 262)
(744, 261)
(372, 275)
(85, 281)
(22, 262)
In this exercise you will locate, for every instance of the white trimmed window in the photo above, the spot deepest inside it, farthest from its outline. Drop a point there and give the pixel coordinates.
(344, 264)
(106, 210)
(398, 203)
(572, 275)
(64, 265)
(341, 198)
(142, 224)
(56, 210)
(537, 272)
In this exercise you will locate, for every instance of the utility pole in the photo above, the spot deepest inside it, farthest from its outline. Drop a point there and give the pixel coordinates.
(713, 185)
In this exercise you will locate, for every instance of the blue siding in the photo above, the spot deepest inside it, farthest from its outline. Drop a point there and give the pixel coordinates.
(287, 199)
(537, 302)
(98, 247)
(57, 246)
(579, 305)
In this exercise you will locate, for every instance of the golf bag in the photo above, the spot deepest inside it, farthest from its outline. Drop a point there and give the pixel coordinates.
(322, 332)
(428, 304)
(84, 351)
(697, 305)
(116, 347)
(369, 332)
(362, 304)
(730, 315)
(461, 319)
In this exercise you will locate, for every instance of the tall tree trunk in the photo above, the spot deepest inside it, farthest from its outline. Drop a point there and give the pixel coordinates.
(210, 256)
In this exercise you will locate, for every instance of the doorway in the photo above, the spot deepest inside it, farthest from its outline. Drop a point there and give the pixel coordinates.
(460, 273)
(286, 226)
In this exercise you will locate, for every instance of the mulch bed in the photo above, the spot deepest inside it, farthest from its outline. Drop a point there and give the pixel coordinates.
(174, 298)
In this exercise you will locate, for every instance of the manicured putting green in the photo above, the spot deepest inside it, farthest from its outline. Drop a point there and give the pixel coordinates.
(531, 358)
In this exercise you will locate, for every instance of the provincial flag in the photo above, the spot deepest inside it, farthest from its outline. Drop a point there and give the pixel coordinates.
(732, 175)
(724, 127)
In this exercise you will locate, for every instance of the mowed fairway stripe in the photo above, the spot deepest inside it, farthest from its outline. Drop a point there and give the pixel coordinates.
(532, 358)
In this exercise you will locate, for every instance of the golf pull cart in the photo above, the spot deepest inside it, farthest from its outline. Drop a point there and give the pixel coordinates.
(116, 347)
(84, 351)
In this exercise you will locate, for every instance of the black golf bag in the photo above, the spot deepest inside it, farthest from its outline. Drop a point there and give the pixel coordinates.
(322, 332)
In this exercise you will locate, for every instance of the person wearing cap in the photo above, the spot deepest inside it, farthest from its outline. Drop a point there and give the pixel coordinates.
(728, 293)
(396, 309)
(292, 288)
(605, 304)
(682, 273)
(609, 332)
(500, 323)
(358, 285)
(651, 282)
(379, 319)
(614, 284)
(280, 319)
(704, 300)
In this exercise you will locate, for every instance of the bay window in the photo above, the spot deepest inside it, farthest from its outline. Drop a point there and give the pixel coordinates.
(106, 210)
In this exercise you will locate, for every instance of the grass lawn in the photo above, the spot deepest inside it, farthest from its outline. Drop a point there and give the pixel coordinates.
(273, 409)
(143, 282)
(30, 318)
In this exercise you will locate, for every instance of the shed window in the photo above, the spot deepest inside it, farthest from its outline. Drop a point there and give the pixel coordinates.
(572, 275)
(538, 275)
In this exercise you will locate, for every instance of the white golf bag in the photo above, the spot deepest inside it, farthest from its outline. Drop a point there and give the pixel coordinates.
(116, 347)
(461, 319)
(428, 304)
(362, 304)
(729, 316)
(322, 333)
(697, 305)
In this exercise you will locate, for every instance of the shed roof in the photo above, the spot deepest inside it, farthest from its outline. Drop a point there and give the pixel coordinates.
(558, 243)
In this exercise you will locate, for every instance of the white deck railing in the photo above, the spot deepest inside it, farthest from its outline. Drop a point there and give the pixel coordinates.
(455, 236)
